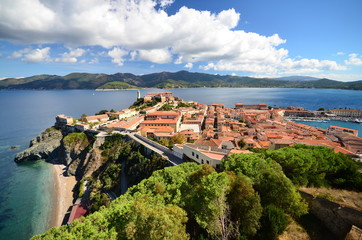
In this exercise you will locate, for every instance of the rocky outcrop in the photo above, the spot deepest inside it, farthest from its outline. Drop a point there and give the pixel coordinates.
(45, 146)
(78, 151)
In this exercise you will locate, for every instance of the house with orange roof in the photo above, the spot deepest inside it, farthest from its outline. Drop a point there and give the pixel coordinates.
(97, 118)
(336, 129)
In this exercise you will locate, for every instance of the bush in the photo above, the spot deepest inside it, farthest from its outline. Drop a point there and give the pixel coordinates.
(273, 222)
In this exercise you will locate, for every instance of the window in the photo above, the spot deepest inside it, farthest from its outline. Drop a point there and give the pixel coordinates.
(197, 156)
(208, 162)
(202, 161)
(193, 154)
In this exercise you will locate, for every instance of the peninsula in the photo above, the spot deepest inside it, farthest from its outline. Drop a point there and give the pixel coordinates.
(195, 170)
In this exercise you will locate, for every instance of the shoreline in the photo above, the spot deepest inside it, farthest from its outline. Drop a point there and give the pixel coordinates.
(63, 195)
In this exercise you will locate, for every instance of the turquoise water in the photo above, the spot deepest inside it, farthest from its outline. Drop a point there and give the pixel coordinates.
(26, 190)
(324, 125)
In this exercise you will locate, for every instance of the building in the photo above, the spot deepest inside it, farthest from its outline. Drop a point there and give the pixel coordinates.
(62, 120)
(253, 107)
(97, 118)
(123, 114)
(347, 113)
(163, 96)
(335, 130)
(201, 154)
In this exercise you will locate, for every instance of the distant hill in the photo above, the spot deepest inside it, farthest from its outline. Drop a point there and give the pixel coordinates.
(299, 78)
(181, 79)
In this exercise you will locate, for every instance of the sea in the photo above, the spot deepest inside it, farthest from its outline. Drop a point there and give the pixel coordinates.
(27, 189)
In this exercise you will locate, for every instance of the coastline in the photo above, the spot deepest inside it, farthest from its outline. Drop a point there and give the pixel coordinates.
(63, 195)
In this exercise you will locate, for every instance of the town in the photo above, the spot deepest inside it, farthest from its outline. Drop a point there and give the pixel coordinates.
(207, 134)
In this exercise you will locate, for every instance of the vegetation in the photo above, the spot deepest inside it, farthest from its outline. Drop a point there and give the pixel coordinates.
(251, 198)
(140, 104)
(166, 107)
(317, 166)
(117, 85)
(178, 139)
(241, 143)
(75, 138)
(179, 79)
(101, 112)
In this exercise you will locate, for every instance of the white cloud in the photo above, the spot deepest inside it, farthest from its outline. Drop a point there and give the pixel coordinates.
(340, 53)
(94, 61)
(188, 65)
(340, 77)
(117, 55)
(71, 56)
(165, 3)
(36, 55)
(155, 55)
(353, 60)
(145, 30)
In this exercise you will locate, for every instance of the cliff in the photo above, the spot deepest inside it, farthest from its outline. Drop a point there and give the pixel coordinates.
(45, 146)
(75, 150)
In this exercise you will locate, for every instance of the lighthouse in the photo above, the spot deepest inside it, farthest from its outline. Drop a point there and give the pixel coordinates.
(138, 94)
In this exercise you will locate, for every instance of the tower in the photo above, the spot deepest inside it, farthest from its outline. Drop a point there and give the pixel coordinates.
(138, 94)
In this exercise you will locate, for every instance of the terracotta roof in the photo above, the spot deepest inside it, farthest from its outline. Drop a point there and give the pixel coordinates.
(163, 113)
(217, 156)
(96, 117)
(171, 120)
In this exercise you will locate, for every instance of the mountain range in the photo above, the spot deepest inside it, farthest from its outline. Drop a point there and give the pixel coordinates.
(181, 79)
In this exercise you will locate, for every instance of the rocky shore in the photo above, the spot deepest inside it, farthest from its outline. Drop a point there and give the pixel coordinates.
(73, 158)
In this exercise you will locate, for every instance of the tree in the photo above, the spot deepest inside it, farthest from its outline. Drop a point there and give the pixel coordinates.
(83, 117)
(178, 139)
(274, 222)
(241, 143)
(104, 111)
(164, 142)
(153, 220)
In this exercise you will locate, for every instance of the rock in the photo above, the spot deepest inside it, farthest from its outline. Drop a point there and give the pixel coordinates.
(45, 146)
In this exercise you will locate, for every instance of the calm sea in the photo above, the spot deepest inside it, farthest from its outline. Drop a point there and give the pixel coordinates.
(26, 189)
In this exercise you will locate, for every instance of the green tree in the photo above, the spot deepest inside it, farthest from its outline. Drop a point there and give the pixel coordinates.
(150, 220)
(178, 139)
(274, 222)
(241, 143)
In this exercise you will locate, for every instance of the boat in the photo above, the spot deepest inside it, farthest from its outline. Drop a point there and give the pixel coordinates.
(357, 121)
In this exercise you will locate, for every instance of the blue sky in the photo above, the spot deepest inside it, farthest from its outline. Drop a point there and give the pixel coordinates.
(262, 38)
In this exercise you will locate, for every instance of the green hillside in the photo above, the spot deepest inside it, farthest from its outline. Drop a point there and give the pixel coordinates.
(181, 79)
(117, 85)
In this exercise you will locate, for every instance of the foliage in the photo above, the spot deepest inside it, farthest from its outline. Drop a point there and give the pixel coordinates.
(268, 180)
(252, 197)
(166, 107)
(183, 104)
(178, 139)
(241, 143)
(101, 112)
(117, 85)
(274, 222)
(317, 166)
(164, 80)
(75, 138)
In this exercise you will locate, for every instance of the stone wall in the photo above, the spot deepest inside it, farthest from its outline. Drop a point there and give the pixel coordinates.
(338, 218)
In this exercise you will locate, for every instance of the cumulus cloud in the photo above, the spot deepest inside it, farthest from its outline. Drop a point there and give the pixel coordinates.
(188, 65)
(353, 60)
(155, 55)
(145, 31)
(117, 55)
(71, 56)
(32, 55)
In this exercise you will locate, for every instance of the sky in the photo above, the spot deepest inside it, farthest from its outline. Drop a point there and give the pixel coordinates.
(259, 38)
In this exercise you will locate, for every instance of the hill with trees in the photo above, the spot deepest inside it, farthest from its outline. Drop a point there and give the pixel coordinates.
(254, 196)
(181, 79)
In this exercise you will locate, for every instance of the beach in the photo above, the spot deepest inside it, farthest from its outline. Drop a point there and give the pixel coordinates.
(63, 195)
